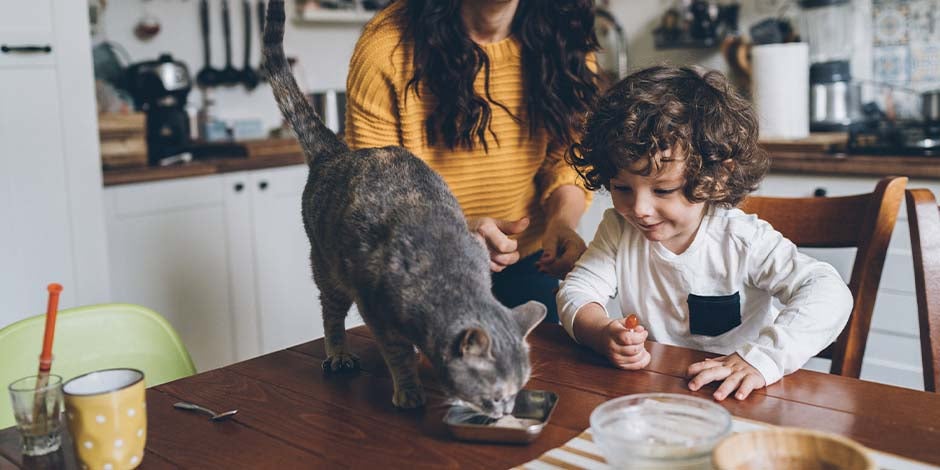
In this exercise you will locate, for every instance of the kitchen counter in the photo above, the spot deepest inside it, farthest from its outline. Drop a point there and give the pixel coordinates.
(809, 162)
(805, 162)
(198, 168)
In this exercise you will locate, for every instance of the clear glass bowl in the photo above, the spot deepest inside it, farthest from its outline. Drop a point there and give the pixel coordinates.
(659, 431)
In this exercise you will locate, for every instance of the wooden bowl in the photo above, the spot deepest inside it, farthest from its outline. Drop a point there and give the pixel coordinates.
(790, 449)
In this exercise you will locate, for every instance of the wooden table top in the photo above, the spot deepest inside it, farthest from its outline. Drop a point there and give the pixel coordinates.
(292, 415)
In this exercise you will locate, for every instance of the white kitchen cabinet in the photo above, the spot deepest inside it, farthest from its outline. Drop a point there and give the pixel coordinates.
(892, 354)
(288, 299)
(50, 178)
(168, 244)
(224, 257)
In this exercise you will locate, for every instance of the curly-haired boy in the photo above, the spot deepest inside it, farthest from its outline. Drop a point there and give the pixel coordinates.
(677, 149)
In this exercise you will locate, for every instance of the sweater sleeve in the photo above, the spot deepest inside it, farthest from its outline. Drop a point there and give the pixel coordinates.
(594, 277)
(816, 305)
(371, 114)
(556, 172)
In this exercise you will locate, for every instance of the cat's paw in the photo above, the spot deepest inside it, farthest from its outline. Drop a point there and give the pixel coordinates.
(408, 398)
(342, 362)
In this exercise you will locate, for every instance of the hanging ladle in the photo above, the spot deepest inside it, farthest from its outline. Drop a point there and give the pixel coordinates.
(207, 76)
(229, 75)
(248, 76)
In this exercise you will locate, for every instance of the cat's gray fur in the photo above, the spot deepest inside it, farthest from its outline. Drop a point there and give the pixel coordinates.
(386, 233)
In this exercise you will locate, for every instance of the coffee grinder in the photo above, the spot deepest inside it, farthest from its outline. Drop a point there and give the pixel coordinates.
(159, 88)
(827, 26)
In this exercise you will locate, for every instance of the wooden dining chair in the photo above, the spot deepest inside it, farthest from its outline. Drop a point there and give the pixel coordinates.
(864, 221)
(923, 215)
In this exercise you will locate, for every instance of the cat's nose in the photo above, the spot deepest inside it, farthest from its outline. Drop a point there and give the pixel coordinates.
(508, 405)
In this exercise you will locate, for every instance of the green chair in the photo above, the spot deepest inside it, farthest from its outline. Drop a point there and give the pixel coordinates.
(92, 338)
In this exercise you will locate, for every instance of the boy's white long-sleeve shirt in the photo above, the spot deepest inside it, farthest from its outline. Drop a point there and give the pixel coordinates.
(732, 252)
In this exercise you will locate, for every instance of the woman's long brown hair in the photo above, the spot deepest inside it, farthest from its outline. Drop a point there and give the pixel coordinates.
(556, 36)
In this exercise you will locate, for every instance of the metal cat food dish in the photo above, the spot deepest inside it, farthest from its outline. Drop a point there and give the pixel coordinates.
(530, 414)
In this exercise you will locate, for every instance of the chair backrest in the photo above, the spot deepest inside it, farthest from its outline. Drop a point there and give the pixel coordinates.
(864, 221)
(923, 215)
(92, 338)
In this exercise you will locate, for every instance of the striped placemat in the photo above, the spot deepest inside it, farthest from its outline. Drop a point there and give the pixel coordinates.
(582, 453)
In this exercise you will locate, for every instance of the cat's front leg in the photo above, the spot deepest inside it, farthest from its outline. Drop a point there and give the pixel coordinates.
(402, 361)
(338, 358)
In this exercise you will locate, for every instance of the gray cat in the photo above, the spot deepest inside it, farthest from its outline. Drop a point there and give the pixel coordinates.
(386, 233)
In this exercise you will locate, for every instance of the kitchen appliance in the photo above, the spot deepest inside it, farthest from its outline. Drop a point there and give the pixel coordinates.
(930, 105)
(159, 88)
(893, 124)
(886, 137)
(827, 26)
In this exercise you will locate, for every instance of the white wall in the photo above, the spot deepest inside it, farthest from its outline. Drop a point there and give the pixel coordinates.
(324, 50)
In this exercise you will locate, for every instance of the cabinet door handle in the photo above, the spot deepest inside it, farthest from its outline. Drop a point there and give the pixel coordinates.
(239, 187)
(263, 185)
(820, 192)
(26, 49)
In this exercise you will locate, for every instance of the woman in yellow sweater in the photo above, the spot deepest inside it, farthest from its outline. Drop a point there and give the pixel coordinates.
(490, 94)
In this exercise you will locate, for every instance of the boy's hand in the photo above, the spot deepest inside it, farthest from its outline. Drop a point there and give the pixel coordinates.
(625, 348)
(736, 373)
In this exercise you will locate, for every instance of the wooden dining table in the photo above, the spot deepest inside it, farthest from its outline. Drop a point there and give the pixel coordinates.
(291, 414)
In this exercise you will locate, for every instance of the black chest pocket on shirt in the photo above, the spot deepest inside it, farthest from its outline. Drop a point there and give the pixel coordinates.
(714, 315)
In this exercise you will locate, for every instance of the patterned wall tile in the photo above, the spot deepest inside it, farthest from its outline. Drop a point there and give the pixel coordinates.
(890, 23)
(906, 43)
(923, 21)
(891, 64)
(925, 62)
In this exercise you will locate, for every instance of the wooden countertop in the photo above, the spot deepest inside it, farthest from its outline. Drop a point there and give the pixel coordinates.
(807, 162)
(198, 168)
(841, 164)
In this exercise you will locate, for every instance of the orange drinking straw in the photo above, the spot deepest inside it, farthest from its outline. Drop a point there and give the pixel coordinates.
(45, 358)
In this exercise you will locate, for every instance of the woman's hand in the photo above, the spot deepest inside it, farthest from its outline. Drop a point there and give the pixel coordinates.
(494, 234)
(561, 248)
(624, 347)
(736, 373)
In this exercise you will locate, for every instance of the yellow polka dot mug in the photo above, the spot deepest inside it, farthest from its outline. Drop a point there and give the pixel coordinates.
(107, 418)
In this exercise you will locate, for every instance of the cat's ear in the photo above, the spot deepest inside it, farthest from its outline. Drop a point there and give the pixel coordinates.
(474, 342)
(528, 316)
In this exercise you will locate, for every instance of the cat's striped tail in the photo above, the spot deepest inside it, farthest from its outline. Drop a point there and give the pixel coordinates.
(318, 141)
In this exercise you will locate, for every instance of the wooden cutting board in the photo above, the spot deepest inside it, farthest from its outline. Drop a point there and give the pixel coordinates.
(271, 147)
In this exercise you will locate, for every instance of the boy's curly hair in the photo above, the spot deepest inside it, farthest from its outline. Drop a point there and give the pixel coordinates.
(695, 113)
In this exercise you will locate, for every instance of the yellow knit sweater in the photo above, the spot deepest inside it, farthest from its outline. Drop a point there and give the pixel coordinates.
(513, 180)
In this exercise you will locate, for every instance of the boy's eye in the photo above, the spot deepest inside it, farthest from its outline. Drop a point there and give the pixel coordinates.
(665, 191)
(620, 187)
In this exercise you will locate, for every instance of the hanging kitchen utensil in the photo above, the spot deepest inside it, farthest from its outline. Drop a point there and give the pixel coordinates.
(207, 76)
(147, 25)
(248, 76)
(229, 75)
(262, 74)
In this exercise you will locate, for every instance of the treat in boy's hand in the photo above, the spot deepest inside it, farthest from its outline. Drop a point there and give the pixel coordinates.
(631, 322)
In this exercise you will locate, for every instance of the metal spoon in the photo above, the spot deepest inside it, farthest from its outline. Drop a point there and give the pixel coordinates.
(213, 415)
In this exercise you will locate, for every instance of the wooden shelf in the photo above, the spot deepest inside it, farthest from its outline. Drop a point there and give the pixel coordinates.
(327, 16)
